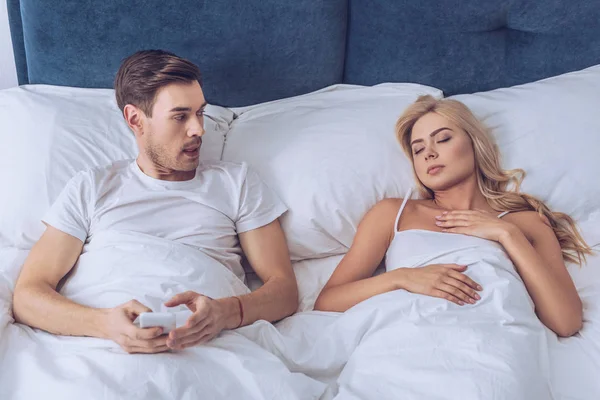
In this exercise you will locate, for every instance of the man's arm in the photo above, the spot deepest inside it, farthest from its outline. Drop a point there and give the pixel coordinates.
(267, 252)
(266, 249)
(37, 303)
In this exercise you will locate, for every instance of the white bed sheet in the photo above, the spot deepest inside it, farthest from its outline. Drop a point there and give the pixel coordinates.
(574, 363)
(74, 366)
(116, 268)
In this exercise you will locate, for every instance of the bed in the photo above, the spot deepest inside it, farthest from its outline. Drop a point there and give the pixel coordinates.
(307, 93)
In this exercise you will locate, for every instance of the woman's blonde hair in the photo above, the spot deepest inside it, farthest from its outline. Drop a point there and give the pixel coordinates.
(492, 180)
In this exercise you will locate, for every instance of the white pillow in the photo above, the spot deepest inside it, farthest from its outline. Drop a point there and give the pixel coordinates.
(551, 129)
(330, 155)
(48, 133)
(312, 275)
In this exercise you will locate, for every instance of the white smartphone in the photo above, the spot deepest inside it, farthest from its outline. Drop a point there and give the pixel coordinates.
(152, 319)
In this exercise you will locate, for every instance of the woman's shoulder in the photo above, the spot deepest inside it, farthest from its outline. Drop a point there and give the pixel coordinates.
(385, 211)
(387, 206)
(393, 204)
(379, 220)
(527, 218)
(529, 222)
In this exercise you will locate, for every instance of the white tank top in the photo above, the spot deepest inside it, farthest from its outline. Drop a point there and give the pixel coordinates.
(419, 247)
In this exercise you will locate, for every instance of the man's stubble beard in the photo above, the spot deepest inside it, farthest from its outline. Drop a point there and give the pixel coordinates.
(159, 157)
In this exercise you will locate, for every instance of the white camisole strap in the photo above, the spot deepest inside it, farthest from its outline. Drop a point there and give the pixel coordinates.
(402, 208)
(503, 214)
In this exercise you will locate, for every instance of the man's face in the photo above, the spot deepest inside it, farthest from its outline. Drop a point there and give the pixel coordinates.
(173, 135)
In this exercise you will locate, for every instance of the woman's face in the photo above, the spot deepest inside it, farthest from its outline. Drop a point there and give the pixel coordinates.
(442, 152)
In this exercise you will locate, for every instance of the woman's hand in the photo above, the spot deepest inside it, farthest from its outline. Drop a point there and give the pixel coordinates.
(475, 223)
(446, 281)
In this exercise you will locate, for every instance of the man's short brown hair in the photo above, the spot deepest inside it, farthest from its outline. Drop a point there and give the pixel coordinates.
(142, 74)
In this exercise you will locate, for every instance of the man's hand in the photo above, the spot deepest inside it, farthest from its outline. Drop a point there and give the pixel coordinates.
(210, 317)
(120, 329)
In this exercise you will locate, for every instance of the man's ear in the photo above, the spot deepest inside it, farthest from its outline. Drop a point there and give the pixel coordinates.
(133, 117)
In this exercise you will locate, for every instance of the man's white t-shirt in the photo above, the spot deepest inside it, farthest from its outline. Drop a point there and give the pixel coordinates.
(206, 212)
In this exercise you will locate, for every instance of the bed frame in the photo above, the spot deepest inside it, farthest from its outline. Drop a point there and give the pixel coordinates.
(252, 51)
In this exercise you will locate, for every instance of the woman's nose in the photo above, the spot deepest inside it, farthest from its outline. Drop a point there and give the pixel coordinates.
(431, 154)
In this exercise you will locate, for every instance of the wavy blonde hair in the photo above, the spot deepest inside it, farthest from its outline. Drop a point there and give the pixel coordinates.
(492, 180)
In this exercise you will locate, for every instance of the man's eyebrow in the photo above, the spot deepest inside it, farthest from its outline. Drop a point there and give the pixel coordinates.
(179, 109)
(186, 109)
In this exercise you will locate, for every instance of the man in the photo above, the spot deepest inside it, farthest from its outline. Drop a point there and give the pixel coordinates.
(161, 193)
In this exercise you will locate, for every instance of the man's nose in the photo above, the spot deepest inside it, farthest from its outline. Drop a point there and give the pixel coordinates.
(196, 129)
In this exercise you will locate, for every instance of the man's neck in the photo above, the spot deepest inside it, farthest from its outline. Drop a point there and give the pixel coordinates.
(162, 173)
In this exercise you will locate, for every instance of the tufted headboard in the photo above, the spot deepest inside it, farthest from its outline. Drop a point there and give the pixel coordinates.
(252, 51)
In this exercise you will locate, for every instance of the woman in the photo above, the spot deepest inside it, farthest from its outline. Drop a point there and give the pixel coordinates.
(464, 192)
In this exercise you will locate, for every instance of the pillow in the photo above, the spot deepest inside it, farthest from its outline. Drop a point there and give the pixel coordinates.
(330, 155)
(551, 129)
(48, 133)
(312, 275)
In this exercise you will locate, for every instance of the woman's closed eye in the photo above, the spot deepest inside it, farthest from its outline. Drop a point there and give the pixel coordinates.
(444, 140)
(417, 151)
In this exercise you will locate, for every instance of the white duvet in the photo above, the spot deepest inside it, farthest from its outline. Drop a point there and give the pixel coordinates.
(406, 346)
(117, 267)
(393, 346)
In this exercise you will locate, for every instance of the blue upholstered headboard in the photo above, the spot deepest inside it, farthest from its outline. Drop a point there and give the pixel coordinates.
(252, 51)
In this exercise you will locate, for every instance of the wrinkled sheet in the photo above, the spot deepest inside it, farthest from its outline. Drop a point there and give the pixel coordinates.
(407, 346)
(115, 268)
(401, 345)
(396, 345)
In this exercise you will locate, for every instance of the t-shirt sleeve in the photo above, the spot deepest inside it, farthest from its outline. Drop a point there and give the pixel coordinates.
(258, 206)
(70, 211)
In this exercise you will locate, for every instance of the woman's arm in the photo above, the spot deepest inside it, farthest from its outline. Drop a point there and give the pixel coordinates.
(352, 281)
(539, 262)
(541, 266)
